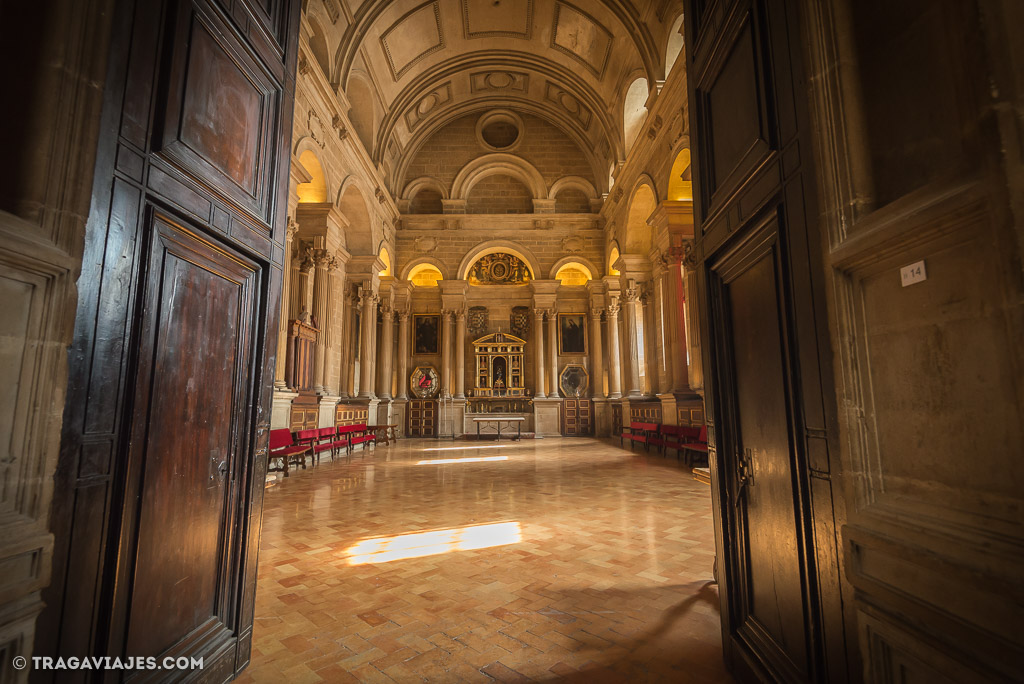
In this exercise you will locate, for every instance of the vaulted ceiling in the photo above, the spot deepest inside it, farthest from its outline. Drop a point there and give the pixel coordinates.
(408, 67)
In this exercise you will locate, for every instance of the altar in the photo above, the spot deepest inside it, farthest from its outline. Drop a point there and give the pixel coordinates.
(499, 402)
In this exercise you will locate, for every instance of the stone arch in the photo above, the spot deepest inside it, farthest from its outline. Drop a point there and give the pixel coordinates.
(498, 163)
(307, 148)
(673, 44)
(417, 184)
(384, 254)
(362, 114)
(680, 181)
(407, 271)
(318, 46)
(637, 234)
(352, 202)
(613, 256)
(594, 272)
(492, 246)
(634, 110)
(425, 195)
(578, 182)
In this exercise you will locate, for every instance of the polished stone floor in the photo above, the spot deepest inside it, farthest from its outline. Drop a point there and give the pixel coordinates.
(551, 560)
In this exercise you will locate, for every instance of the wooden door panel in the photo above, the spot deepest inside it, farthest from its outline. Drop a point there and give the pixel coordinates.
(770, 609)
(201, 305)
(179, 289)
(769, 398)
(220, 112)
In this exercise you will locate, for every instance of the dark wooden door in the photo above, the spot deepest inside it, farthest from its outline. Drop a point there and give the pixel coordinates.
(422, 418)
(770, 403)
(577, 417)
(159, 485)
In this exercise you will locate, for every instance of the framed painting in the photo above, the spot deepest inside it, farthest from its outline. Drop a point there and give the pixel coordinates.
(572, 334)
(426, 334)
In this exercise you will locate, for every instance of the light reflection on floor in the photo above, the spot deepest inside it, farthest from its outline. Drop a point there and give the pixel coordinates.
(433, 543)
(477, 459)
(461, 448)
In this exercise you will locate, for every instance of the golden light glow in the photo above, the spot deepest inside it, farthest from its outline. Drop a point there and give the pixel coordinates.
(613, 256)
(433, 543)
(316, 189)
(386, 258)
(680, 184)
(573, 273)
(476, 459)
(461, 448)
(425, 275)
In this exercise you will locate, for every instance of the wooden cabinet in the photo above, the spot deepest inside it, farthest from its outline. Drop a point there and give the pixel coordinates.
(422, 421)
(305, 413)
(577, 417)
(350, 414)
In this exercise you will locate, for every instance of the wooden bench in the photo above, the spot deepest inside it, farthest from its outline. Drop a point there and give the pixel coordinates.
(698, 447)
(283, 446)
(639, 432)
(359, 433)
(316, 443)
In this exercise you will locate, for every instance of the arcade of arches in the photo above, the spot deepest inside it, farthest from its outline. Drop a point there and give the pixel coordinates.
(788, 230)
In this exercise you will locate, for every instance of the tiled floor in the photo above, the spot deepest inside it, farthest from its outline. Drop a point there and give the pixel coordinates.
(609, 581)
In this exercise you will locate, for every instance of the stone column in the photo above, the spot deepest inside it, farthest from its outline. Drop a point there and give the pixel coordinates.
(368, 321)
(553, 352)
(347, 355)
(538, 345)
(446, 352)
(596, 355)
(664, 338)
(300, 293)
(460, 354)
(324, 266)
(631, 299)
(695, 367)
(387, 346)
(403, 355)
(282, 328)
(614, 357)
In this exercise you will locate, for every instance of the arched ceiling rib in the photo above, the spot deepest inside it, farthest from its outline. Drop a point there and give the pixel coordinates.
(565, 59)
(534, 27)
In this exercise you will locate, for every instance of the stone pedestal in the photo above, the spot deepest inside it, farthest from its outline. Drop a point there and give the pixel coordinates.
(281, 409)
(459, 416)
(385, 412)
(545, 417)
(327, 405)
(669, 416)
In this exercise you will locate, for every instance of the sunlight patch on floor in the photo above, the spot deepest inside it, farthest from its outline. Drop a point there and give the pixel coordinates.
(476, 459)
(433, 543)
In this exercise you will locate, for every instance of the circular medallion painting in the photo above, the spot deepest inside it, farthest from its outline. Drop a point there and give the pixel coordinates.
(424, 382)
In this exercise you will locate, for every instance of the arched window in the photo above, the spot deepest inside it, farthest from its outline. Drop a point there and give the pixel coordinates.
(680, 185)
(634, 110)
(573, 273)
(425, 275)
(613, 256)
(386, 258)
(316, 189)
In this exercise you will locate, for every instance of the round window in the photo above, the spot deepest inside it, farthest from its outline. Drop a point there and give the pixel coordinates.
(499, 130)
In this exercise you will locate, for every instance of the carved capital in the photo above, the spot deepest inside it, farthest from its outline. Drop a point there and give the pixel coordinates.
(367, 297)
(632, 292)
(595, 314)
(613, 310)
(308, 263)
(387, 309)
(403, 316)
(538, 313)
(303, 65)
(685, 253)
(291, 230)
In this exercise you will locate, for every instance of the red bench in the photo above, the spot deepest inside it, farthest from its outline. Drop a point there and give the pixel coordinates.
(697, 447)
(671, 437)
(639, 432)
(357, 434)
(283, 446)
(316, 443)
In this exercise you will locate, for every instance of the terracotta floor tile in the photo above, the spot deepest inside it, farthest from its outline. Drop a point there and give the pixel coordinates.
(608, 579)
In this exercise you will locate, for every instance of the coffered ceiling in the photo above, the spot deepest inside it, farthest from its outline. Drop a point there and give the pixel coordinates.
(428, 62)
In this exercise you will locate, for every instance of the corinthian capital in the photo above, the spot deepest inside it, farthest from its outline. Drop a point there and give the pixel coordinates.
(613, 309)
(632, 292)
